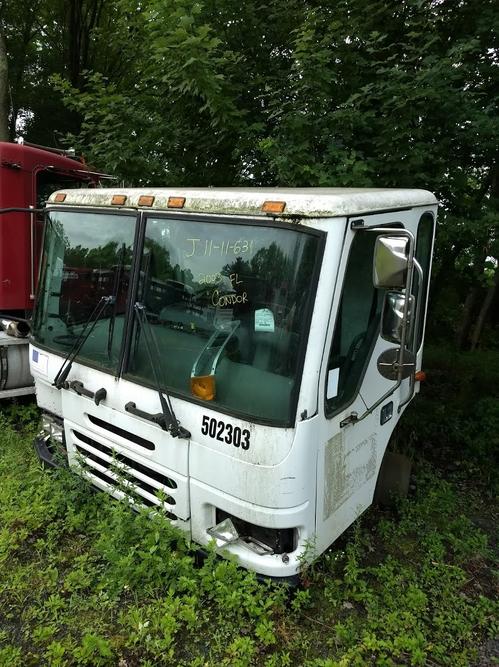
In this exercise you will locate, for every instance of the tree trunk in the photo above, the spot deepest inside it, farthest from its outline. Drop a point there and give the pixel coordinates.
(482, 315)
(469, 310)
(82, 18)
(4, 90)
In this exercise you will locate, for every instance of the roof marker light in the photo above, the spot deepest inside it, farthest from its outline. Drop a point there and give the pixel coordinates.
(273, 206)
(118, 200)
(146, 200)
(60, 197)
(176, 202)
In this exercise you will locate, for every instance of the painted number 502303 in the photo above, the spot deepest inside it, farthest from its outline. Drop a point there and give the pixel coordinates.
(219, 430)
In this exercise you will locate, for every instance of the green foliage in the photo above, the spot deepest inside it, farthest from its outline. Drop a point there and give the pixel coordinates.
(310, 94)
(294, 93)
(351, 95)
(47, 37)
(86, 581)
(456, 417)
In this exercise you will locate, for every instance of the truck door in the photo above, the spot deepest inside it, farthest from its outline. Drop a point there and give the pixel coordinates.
(351, 452)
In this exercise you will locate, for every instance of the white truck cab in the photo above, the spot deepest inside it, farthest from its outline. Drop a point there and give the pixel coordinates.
(236, 358)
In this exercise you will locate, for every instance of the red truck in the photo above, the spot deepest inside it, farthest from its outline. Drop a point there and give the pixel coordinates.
(28, 174)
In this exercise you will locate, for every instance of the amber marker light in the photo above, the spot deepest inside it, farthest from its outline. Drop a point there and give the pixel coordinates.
(203, 386)
(60, 197)
(176, 202)
(420, 376)
(273, 206)
(118, 200)
(146, 200)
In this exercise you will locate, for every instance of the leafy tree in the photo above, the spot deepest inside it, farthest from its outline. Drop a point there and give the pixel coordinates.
(194, 101)
(388, 93)
(43, 38)
(303, 92)
(404, 94)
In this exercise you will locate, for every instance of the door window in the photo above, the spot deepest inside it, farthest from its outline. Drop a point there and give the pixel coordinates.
(356, 327)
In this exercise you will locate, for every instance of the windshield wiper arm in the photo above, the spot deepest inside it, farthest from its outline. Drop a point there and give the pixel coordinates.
(169, 420)
(63, 372)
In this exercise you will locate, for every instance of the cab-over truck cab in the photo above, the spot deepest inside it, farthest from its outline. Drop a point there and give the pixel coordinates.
(238, 358)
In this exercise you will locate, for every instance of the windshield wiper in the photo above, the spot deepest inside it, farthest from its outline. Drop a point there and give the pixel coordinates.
(88, 327)
(167, 420)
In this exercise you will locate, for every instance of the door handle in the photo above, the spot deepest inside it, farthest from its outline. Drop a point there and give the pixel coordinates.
(157, 418)
(80, 389)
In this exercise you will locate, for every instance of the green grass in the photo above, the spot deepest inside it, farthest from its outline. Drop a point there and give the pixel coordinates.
(86, 581)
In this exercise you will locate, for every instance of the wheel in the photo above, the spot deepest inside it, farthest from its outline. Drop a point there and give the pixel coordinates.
(393, 479)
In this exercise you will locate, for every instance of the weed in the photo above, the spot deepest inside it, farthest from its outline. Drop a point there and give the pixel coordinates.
(86, 581)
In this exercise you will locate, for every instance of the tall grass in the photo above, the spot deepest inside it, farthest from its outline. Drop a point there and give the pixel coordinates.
(86, 581)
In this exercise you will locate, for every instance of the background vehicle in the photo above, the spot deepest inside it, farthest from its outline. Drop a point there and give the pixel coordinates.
(257, 391)
(28, 174)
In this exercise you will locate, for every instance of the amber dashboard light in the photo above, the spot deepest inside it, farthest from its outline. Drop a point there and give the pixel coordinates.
(118, 200)
(60, 197)
(420, 376)
(146, 200)
(273, 206)
(203, 386)
(176, 202)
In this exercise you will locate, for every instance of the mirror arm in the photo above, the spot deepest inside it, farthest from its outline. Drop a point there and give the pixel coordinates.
(412, 380)
(419, 271)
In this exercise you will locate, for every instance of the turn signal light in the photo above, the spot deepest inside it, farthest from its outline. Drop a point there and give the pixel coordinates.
(420, 376)
(203, 386)
(60, 197)
(146, 200)
(176, 202)
(273, 206)
(118, 200)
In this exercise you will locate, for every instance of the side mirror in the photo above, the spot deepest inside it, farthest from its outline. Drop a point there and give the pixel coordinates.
(392, 319)
(388, 364)
(390, 262)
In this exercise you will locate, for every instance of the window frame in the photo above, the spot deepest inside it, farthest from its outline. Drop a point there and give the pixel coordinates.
(328, 412)
(424, 288)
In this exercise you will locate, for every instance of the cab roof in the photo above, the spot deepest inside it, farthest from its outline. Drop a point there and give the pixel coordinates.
(300, 202)
(24, 156)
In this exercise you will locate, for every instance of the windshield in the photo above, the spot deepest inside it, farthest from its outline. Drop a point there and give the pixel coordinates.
(228, 305)
(86, 257)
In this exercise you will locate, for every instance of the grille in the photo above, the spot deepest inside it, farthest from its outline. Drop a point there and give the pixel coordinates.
(137, 439)
(125, 474)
